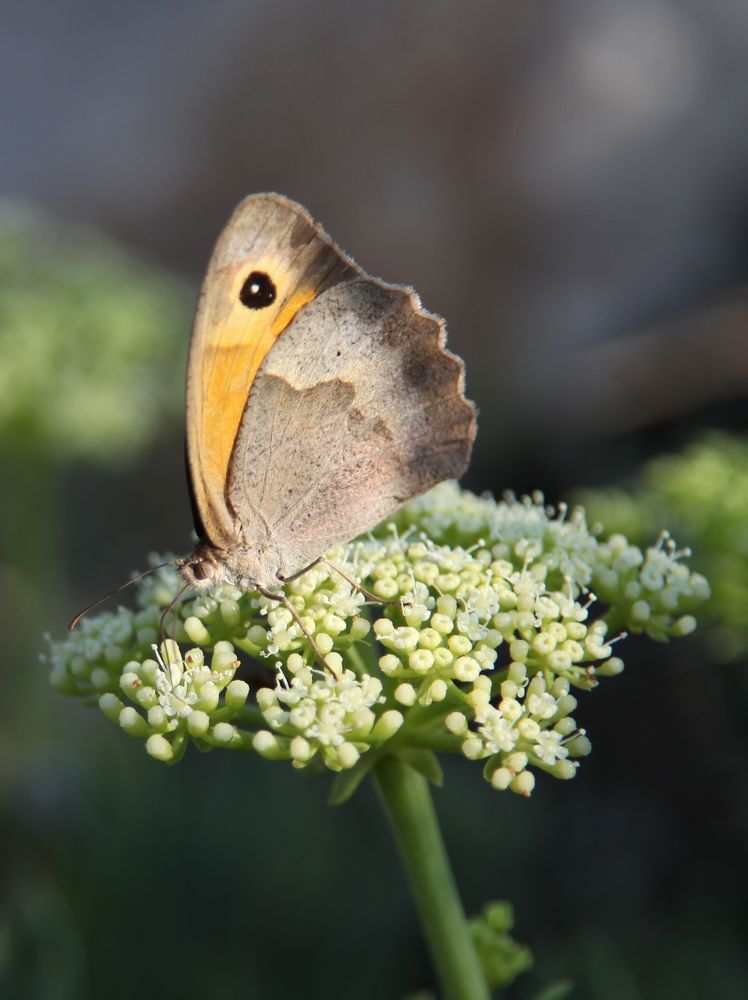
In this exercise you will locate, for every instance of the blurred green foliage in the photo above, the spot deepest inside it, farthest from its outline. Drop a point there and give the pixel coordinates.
(91, 342)
(502, 958)
(92, 345)
(701, 494)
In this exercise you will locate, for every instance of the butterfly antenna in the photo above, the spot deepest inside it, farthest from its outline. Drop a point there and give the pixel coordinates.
(122, 586)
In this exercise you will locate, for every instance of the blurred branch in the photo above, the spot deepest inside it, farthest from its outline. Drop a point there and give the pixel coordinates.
(660, 373)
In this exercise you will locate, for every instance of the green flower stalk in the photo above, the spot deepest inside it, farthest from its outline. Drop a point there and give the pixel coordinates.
(496, 616)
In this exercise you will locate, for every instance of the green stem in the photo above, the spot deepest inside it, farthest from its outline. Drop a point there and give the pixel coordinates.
(436, 741)
(247, 716)
(407, 801)
(363, 660)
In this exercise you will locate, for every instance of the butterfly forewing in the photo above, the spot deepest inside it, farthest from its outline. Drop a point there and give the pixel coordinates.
(269, 262)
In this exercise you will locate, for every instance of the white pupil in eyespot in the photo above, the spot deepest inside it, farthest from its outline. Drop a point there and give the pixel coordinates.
(254, 288)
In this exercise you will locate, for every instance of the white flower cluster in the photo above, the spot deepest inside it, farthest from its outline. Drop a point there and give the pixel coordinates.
(174, 697)
(648, 588)
(317, 711)
(526, 725)
(483, 624)
(702, 492)
(90, 659)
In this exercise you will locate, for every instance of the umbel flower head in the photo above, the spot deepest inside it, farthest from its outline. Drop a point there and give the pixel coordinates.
(702, 493)
(495, 617)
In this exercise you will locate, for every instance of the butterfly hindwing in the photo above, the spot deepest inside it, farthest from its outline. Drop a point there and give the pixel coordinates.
(357, 407)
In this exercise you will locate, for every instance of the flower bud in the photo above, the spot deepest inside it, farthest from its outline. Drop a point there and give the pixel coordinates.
(268, 745)
(564, 769)
(360, 628)
(429, 639)
(421, 661)
(348, 755)
(101, 679)
(460, 645)
(523, 783)
(565, 726)
(158, 719)
(196, 631)
(438, 690)
(383, 628)
(387, 725)
(580, 746)
(236, 695)
(567, 704)
(466, 668)
(133, 723)
(610, 668)
(472, 748)
(443, 658)
(389, 664)
(208, 699)
(257, 636)
(111, 706)
(516, 762)
(386, 589)
(446, 605)
(159, 748)
(684, 625)
(405, 694)
(456, 723)
(224, 658)
(640, 611)
(501, 778)
(300, 749)
(441, 624)
(519, 650)
(230, 613)
(198, 723)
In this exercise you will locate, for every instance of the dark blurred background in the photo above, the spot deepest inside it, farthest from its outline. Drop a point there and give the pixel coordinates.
(564, 181)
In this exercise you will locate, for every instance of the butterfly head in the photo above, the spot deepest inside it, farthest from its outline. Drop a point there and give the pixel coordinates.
(205, 568)
(246, 567)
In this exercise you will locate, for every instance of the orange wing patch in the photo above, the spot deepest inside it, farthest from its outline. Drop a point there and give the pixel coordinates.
(230, 364)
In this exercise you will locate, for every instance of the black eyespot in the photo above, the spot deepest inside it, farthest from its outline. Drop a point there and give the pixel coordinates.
(257, 291)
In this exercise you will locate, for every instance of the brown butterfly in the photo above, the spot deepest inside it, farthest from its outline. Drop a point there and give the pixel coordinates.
(319, 399)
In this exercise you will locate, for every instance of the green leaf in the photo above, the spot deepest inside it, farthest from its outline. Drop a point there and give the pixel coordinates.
(425, 762)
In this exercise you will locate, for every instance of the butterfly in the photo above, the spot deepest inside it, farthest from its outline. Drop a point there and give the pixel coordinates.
(318, 400)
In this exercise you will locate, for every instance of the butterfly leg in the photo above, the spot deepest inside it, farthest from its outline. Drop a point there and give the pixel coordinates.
(399, 603)
(356, 586)
(281, 598)
(295, 576)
